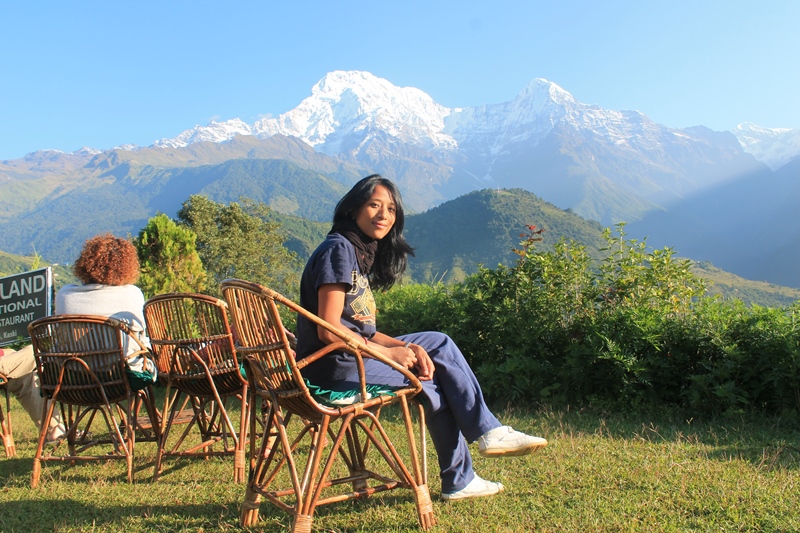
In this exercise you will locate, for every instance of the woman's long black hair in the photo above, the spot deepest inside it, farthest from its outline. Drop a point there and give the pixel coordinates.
(391, 258)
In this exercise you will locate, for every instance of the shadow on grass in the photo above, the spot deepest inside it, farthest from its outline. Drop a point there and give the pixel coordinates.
(34, 515)
(15, 466)
(57, 514)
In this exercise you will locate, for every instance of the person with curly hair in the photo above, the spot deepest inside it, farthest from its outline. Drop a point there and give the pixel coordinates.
(108, 267)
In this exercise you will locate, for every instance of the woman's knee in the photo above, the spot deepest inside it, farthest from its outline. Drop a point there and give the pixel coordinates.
(433, 340)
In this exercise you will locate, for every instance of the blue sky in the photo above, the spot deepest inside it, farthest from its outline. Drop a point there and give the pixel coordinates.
(101, 74)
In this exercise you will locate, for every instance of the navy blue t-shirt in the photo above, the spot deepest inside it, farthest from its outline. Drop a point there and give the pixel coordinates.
(334, 261)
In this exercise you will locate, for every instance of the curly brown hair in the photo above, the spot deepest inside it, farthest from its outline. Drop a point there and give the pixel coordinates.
(107, 260)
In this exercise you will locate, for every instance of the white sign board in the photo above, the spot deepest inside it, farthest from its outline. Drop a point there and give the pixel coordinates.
(23, 298)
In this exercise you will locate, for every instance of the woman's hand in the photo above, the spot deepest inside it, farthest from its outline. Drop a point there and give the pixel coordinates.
(414, 357)
(424, 364)
(401, 355)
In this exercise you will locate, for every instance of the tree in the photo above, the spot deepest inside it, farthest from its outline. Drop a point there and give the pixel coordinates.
(169, 259)
(236, 241)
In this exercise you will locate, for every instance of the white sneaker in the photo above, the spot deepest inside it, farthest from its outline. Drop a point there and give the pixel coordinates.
(475, 489)
(55, 434)
(505, 441)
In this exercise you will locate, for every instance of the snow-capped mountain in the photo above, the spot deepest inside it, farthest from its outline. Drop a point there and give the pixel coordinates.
(215, 132)
(773, 146)
(537, 109)
(626, 156)
(344, 104)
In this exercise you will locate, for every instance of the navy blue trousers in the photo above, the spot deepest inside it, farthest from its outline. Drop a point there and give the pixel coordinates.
(455, 410)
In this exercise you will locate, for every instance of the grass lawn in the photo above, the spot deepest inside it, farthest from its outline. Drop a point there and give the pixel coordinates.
(600, 472)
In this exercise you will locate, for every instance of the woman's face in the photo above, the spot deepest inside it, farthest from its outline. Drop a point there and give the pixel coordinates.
(376, 217)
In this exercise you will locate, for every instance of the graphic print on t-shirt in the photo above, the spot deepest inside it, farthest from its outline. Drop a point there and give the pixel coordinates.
(362, 303)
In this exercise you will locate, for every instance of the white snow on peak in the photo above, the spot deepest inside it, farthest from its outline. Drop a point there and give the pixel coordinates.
(772, 146)
(531, 114)
(86, 150)
(128, 147)
(538, 108)
(215, 132)
(347, 102)
(347, 109)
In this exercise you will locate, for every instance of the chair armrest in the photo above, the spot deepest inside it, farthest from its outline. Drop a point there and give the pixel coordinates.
(132, 334)
(351, 343)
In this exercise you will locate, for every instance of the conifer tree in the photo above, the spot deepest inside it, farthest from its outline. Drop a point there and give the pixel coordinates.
(168, 257)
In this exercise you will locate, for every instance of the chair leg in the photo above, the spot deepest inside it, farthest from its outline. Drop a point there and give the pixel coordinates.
(167, 415)
(425, 516)
(5, 425)
(422, 495)
(239, 461)
(423, 442)
(130, 436)
(146, 398)
(302, 523)
(356, 461)
(249, 513)
(260, 460)
(47, 415)
(239, 458)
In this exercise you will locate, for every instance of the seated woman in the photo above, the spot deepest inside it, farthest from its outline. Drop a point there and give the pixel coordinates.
(366, 248)
(108, 266)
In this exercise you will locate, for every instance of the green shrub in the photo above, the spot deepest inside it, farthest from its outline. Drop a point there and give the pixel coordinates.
(635, 329)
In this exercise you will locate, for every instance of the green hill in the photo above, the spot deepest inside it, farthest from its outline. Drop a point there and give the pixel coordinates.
(11, 264)
(482, 228)
(302, 235)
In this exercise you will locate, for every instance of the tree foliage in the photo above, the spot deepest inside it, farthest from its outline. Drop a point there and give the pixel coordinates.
(237, 241)
(168, 257)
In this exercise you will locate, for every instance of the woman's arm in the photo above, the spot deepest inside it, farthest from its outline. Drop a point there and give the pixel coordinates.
(331, 303)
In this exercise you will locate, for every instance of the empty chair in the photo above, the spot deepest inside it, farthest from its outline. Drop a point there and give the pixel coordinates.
(196, 358)
(340, 449)
(82, 368)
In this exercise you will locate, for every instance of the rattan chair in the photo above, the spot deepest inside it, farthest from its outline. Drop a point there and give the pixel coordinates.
(336, 453)
(5, 421)
(81, 361)
(195, 354)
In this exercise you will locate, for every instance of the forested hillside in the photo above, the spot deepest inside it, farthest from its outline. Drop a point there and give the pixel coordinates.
(11, 264)
(121, 201)
(451, 241)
